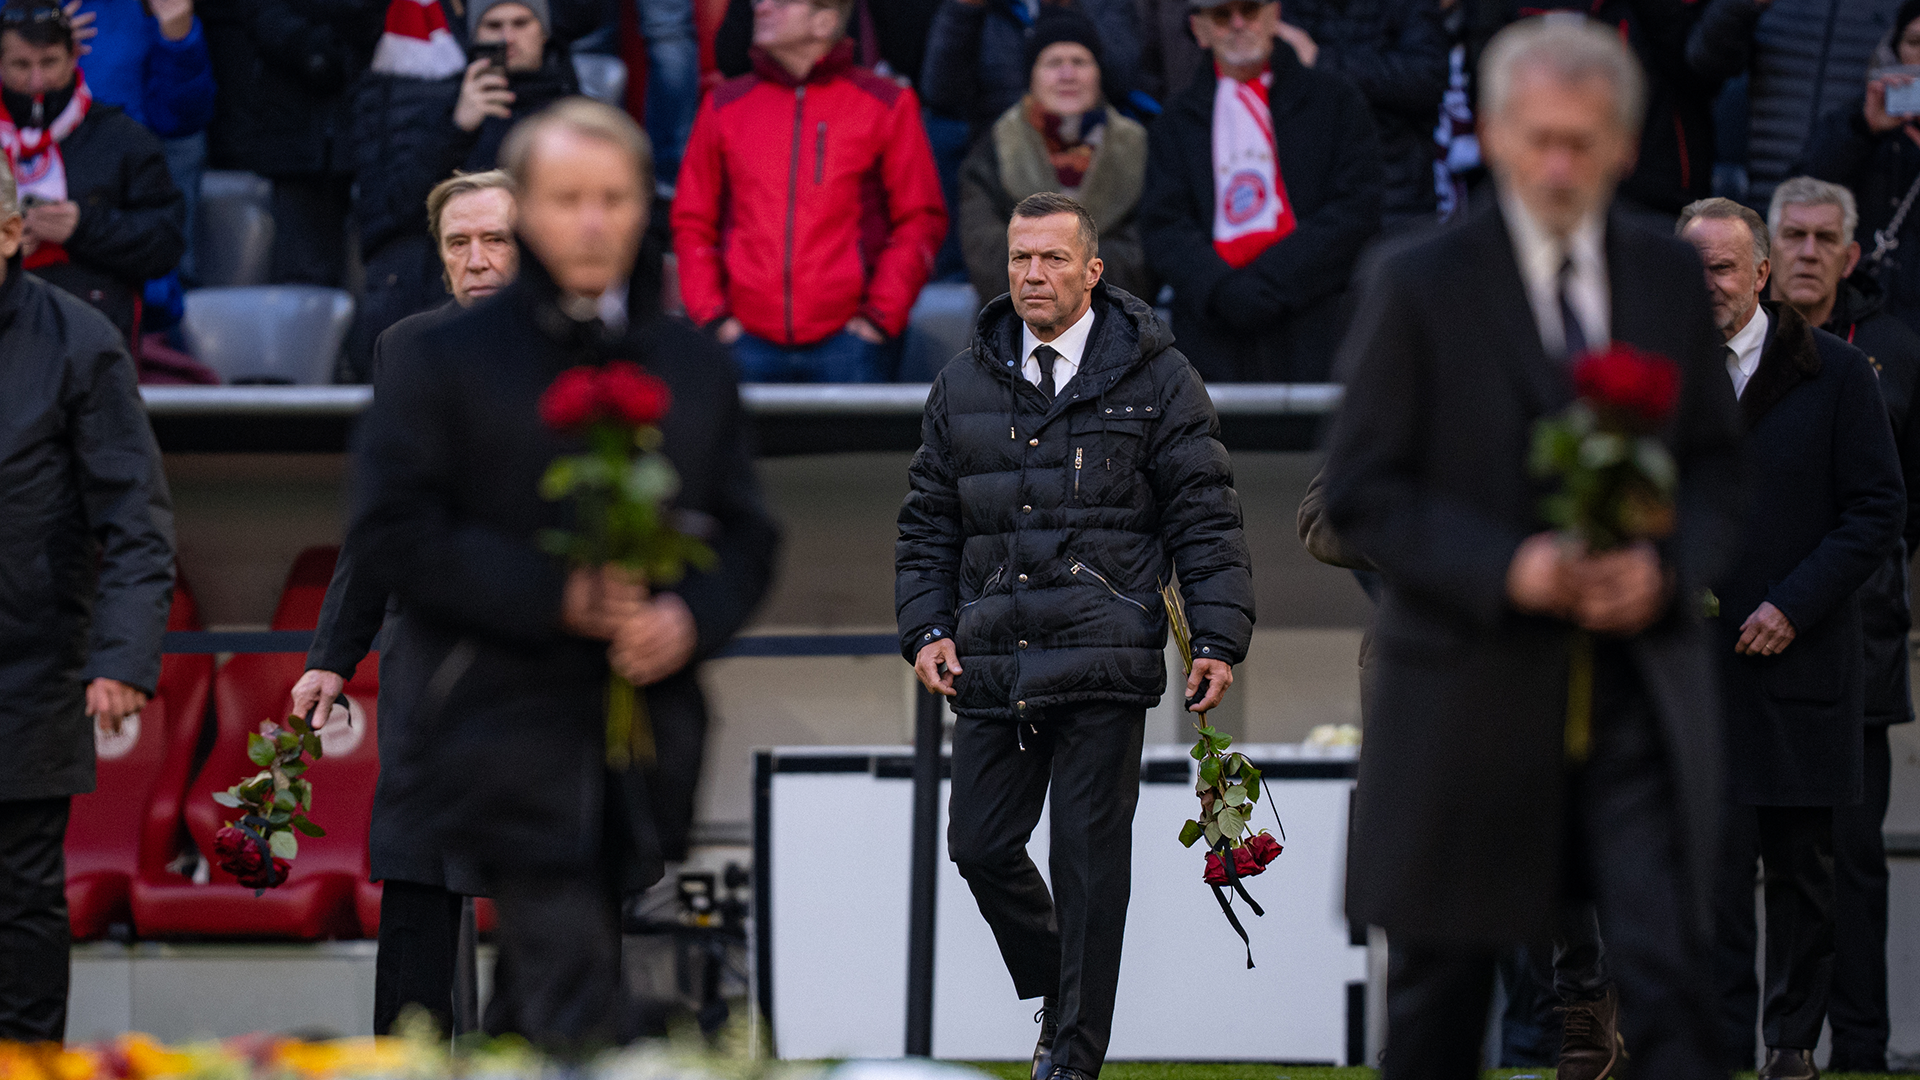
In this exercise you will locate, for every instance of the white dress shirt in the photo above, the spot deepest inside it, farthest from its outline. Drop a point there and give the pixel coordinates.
(1541, 255)
(1746, 346)
(1071, 345)
(610, 308)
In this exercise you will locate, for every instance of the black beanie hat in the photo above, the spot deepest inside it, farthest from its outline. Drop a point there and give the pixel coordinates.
(1909, 11)
(1056, 25)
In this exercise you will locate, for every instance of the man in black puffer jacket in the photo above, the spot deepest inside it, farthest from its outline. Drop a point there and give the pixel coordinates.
(1069, 466)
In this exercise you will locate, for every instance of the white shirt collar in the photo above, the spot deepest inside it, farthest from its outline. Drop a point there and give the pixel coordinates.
(1541, 254)
(1071, 345)
(610, 307)
(1747, 346)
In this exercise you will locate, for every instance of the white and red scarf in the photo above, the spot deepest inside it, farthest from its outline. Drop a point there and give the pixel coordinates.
(1251, 211)
(34, 154)
(417, 42)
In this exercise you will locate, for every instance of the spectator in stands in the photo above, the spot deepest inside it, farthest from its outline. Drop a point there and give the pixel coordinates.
(410, 133)
(1395, 51)
(889, 36)
(1876, 154)
(1064, 137)
(150, 58)
(517, 644)
(1801, 57)
(102, 213)
(472, 220)
(1262, 186)
(673, 82)
(973, 70)
(1831, 511)
(1812, 223)
(88, 552)
(284, 69)
(822, 174)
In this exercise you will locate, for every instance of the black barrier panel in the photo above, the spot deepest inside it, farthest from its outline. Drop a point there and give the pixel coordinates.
(753, 646)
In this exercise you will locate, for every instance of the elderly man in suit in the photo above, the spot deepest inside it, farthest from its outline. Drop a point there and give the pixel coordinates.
(1463, 341)
(1789, 635)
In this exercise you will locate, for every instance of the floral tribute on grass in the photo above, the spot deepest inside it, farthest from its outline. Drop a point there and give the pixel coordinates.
(258, 847)
(621, 490)
(1229, 788)
(1616, 482)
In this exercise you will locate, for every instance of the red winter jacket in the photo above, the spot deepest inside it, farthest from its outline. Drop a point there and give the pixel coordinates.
(803, 204)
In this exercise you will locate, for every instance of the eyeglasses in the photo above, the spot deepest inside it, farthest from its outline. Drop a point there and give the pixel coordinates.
(1248, 10)
(33, 15)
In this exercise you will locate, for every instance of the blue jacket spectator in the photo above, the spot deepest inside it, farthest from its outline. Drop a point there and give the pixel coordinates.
(155, 68)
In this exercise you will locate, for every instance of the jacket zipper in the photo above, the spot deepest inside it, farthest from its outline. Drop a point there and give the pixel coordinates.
(793, 200)
(1078, 459)
(1075, 566)
(820, 155)
(986, 587)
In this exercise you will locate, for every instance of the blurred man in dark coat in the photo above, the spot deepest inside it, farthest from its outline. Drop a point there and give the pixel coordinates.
(1791, 652)
(510, 646)
(422, 898)
(86, 576)
(1461, 344)
(1812, 224)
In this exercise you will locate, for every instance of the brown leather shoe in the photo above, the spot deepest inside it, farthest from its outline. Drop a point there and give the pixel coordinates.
(1789, 1065)
(1590, 1043)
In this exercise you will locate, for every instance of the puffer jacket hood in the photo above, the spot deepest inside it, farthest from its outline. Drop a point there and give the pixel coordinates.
(1037, 533)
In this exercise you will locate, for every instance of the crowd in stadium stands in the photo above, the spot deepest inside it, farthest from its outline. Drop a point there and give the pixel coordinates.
(820, 162)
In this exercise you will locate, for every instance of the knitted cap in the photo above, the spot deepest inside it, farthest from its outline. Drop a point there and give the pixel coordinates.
(477, 10)
(1057, 25)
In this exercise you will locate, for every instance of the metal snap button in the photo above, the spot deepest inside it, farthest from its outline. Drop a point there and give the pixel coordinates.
(1033, 442)
(1023, 579)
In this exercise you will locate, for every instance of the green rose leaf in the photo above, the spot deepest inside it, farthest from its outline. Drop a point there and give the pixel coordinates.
(307, 826)
(1236, 796)
(1211, 833)
(1190, 832)
(284, 845)
(259, 749)
(311, 744)
(227, 798)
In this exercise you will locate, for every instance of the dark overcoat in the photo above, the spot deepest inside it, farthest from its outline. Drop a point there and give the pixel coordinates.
(1828, 507)
(1280, 317)
(1036, 534)
(86, 533)
(1459, 820)
(508, 732)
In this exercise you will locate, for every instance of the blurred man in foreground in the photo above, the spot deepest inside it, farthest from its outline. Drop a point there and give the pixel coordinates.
(515, 649)
(86, 577)
(421, 901)
(1468, 698)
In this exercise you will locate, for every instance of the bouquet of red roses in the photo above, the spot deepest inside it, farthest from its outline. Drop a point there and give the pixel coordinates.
(1229, 789)
(620, 490)
(257, 848)
(1616, 477)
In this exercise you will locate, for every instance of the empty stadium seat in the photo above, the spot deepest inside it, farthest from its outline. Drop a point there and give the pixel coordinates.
(268, 333)
(233, 231)
(106, 836)
(319, 897)
(940, 326)
(602, 78)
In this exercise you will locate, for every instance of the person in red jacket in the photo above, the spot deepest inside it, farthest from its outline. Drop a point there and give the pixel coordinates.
(822, 174)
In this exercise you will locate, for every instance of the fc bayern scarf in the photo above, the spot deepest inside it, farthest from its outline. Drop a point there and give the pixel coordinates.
(417, 42)
(1251, 211)
(34, 154)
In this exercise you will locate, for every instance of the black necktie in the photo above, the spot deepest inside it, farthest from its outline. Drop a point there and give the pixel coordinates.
(1045, 356)
(1572, 333)
(1733, 366)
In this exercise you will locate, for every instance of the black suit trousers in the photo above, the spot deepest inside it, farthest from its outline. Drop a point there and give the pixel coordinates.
(419, 945)
(1858, 1013)
(1794, 845)
(1623, 852)
(34, 933)
(1065, 944)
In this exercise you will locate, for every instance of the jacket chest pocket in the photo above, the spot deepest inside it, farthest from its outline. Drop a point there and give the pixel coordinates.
(1106, 451)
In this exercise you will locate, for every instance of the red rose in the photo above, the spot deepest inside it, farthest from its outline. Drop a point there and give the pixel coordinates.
(1624, 379)
(1245, 864)
(266, 877)
(236, 853)
(631, 395)
(1264, 847)
(572, 401)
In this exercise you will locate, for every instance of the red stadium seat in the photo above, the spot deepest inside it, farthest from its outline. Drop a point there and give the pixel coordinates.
(318, 899)
(105, 837)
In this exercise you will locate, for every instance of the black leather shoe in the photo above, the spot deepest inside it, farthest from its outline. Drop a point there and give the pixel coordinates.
(1789, 1065)
(1061, 1072)
(1048, 1019)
